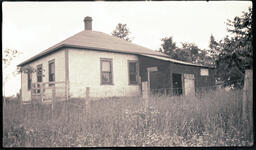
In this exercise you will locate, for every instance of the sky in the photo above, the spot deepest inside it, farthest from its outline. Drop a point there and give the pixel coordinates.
(31, 27)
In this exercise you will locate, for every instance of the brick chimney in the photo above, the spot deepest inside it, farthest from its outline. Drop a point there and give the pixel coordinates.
(88, 23)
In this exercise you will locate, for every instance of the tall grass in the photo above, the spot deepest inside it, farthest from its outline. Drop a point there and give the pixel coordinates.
(212, 119)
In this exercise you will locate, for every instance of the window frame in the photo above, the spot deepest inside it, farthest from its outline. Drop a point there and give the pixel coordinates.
(38, 66)
(49, 70)
(111, 71)
(37, 76)
(136, 72)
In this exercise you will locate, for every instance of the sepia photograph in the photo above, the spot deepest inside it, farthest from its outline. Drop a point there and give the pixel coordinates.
(127, 74)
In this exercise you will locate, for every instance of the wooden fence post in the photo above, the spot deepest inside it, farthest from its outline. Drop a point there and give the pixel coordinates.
(41, 91)
(87, 103)
(53, 98)
(247, 103)
(31, 92)
(67, 90)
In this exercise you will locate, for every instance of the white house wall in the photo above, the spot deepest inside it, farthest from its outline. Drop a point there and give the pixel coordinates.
(84, 72)
(59, 58)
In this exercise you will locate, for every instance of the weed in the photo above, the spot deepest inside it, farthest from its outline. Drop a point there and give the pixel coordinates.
(211, 119)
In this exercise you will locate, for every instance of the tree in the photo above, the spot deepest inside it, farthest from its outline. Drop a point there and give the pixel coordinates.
(192, 51)
(168, 47)
(183, 55)
(189, 52)
(204, 58)
(214, 48)
(122, 32)
(236, 53)
(230, 69)
(8, 57)
(241, 28)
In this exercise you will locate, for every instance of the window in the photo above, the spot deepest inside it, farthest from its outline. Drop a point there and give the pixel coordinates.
(132, 66)
(106, 71)
(204, 72)
(39, 73)
(51, 72)
(29, 80)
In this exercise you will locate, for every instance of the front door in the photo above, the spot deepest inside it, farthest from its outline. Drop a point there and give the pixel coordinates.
(189, 84)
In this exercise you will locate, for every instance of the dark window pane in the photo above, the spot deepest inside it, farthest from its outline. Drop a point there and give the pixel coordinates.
(132, 67)
(132, 73)
(133, 78)
(39, 70)
(38, 86)
(29, 81)
(39, 73)
(51, 72)
(106, 71)
(39, 78)
(52, 78)
(52, 67)
(106, 77)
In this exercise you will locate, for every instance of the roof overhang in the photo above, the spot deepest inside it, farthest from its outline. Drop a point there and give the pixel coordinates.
(175, 61)
(46, 52)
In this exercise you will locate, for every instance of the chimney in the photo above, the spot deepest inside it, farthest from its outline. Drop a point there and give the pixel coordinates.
(88, 23)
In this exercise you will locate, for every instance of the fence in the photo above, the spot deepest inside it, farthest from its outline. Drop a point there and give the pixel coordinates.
(179, 91)
(47, 92)
(199, 90)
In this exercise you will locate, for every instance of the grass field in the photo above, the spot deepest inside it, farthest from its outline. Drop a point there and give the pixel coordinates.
(213, 119)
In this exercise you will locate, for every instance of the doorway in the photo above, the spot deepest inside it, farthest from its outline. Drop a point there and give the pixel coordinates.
(189, 84)
(177, 84)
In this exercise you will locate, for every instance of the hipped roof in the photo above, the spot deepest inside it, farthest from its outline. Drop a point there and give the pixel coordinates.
(95, 40)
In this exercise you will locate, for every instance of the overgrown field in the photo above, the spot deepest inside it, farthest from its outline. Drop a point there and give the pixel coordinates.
(213, 119)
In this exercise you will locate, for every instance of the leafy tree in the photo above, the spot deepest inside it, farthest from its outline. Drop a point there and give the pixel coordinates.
(189, 52)
(168, 47)
(8, 57)
(241, 28)
(204, 58)
(192, 51)
(236, 53)
(183, 55)
(214, 48)
(27, 69)
(122, 32)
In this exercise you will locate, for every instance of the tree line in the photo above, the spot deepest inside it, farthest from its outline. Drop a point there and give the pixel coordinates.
(230, 56)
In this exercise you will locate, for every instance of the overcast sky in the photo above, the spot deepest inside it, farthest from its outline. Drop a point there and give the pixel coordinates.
(32, 27)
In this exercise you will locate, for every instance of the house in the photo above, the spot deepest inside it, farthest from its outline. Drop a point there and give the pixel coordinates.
(95, 64)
